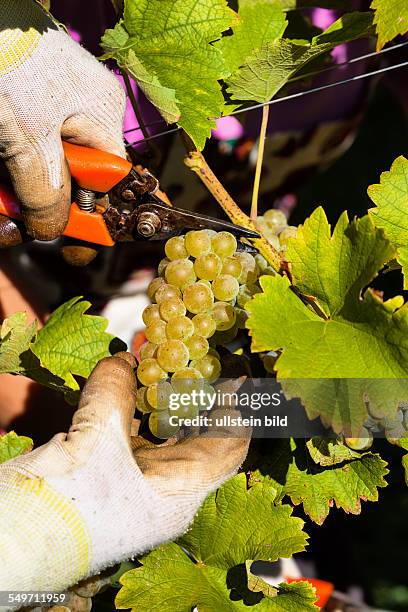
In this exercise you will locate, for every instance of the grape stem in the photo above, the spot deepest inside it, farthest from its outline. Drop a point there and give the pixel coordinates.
(196, 162)
(259, 161)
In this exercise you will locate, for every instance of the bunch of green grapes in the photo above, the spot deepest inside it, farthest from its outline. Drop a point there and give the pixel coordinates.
(274, 226)
(198, 303)
(394, 428)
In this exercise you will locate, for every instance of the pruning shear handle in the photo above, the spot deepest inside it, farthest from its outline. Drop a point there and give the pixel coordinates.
(133, 210)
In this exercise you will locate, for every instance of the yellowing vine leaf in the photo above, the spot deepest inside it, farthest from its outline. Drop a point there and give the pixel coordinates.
(207, 570)
(391, 212)
(359, 349)
(291, 472)
(12, 445)
(165, 46)
(270, 67)
(15, 337)
(391, 19)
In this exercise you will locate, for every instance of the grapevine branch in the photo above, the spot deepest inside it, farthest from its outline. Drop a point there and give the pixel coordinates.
(197, 163)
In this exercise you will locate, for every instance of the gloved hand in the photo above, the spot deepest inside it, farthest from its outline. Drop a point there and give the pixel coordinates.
(95, 497)
(50, 88)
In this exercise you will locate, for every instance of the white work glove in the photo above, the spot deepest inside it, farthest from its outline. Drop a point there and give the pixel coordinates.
(96, 496)
(50, 88)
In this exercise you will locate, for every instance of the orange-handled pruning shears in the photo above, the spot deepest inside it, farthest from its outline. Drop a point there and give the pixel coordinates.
(133, 210)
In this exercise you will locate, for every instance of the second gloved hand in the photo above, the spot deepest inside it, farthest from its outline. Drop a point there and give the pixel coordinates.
(50, 88)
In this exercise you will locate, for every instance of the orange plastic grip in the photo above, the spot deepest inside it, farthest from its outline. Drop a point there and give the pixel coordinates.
(92, 169)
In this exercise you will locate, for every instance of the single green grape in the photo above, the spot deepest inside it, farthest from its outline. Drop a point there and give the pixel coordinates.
(250, 270)
(232, 266)
(287, 234)
(198, 243)
(149, 372)
(148, 350)
(142, 403)
(159, 424)
(186, 380)
(156, 332)
(161, 268)
(207, 267)
(151, 314)
(153, 287)
(275, 219)
(172, 355)
(175, 248)
(224, 316)
(173, 307)
(158, 395)
(197, 346)
(363, 442)
(225, 287)
(198, 298)
(224, 244)
(204, 325)
(180, 272)
(209, 367)
(167, 292)
(179, 328)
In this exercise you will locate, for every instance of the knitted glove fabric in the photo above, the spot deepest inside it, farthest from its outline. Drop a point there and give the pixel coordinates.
(50, 88)
(85, 500)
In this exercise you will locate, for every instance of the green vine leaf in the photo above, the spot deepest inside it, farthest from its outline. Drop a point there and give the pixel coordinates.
(260, 22)
(269, 68)
(355, 338)
(70, 344)
(15, 338)
(290, 471)
(207, 566)
(12, 445)
(391, 19)
(391, 213)
(165, 46)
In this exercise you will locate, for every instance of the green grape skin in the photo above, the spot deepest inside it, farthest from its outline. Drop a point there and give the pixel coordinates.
(224, 316)
(207, 267)
(149, 372)
(204, 325)
(287, 234)
(180, 272)
(142, 403)
(198, 243)
(197, 346)
(151, 314)
(160, 426)
(153, 287)
(186, 373)
(225, 287)
(174, 307)
(172, 355)
(242, 317)
(198, 298)
(362, 443)
(205, 282)
(224, 244)
(209, 367)
(186, 380)
(263, 266)
(161, 268)
(148, 350)
(156, 332)
(158, 395)
(250, 270)
(232, 266)
(275, 219)
(175, 248)
(179, 328)
(166, 292)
